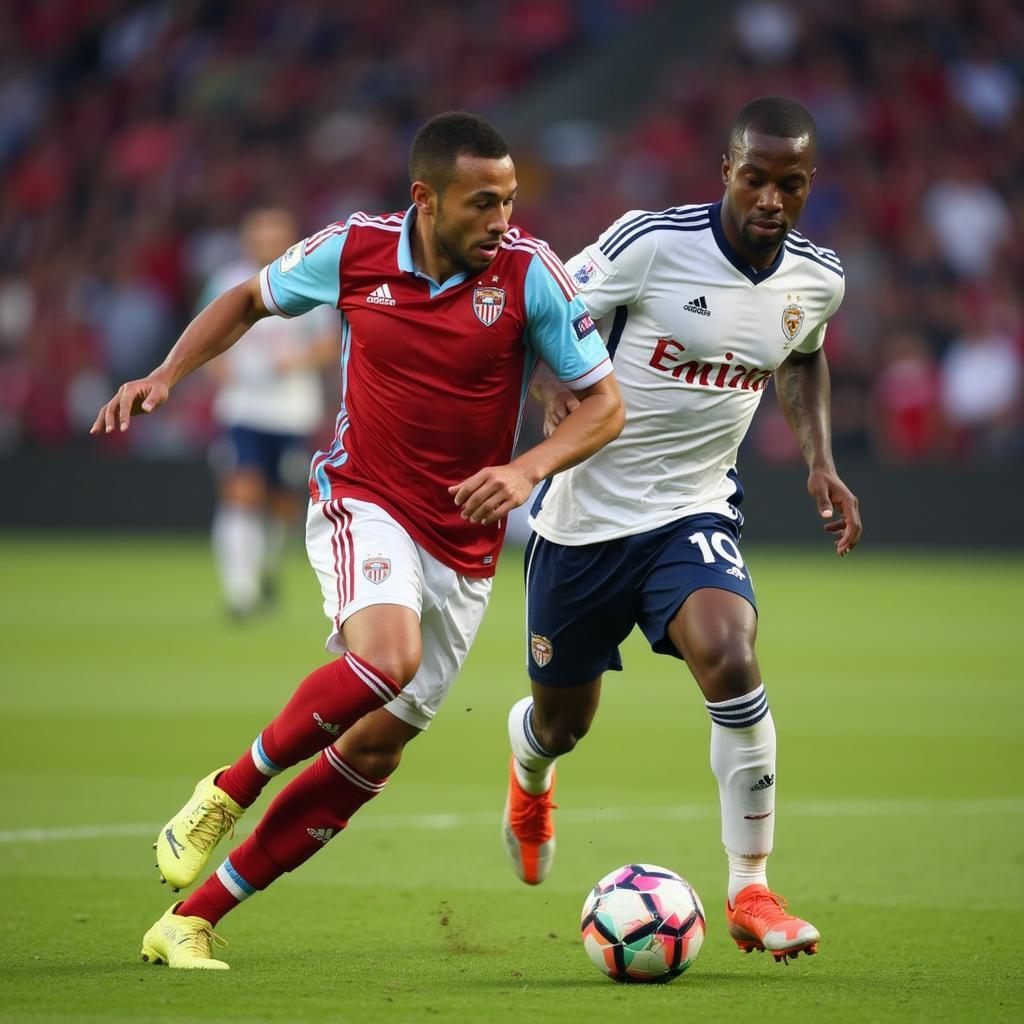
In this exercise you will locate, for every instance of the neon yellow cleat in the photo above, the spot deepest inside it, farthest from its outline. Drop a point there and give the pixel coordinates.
(187, 840)
(183, 942)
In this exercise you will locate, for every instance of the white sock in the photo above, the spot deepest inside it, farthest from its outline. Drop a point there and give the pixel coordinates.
(532, 764)
(744, 871)
(743, 760)
(238, 551)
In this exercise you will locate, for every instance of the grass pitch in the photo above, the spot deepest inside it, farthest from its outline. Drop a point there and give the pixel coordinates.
(894, 681)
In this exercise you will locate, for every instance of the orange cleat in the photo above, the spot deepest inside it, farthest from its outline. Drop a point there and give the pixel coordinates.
(528, 830)
(759, 921)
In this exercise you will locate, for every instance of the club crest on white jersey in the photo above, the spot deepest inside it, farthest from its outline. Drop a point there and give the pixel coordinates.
(792, 319)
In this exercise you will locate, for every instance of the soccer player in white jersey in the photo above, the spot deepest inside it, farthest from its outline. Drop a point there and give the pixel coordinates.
(706, 303)
(446, 308)
(269, 401)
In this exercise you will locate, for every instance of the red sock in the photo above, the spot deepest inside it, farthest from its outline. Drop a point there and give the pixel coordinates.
(313, 808)
(326, 703)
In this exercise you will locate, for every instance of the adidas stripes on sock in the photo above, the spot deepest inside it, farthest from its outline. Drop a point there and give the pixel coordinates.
(532, 764)
(310, 811)
(327, 702)
(743, 761)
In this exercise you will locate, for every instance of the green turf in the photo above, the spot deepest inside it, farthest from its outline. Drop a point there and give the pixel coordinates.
(894, 680)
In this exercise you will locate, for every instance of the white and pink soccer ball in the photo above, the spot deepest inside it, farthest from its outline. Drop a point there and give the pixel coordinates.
(642, 923)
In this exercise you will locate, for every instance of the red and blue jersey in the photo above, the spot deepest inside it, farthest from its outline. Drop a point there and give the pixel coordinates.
(434, 375)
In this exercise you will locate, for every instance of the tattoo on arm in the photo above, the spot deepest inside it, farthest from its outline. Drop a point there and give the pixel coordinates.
(804, 396)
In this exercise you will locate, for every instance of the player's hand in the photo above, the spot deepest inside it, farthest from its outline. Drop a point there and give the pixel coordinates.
(135, 397)
(490, 494)
(557, 406)
(839, 507)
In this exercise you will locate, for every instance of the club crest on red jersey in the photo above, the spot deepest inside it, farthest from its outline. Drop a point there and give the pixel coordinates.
(488, 304)
(792, 319)
(540, 649)
(377, 568)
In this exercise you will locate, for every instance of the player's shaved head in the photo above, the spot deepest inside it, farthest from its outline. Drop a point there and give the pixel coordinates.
(778, 117)
(446, 137)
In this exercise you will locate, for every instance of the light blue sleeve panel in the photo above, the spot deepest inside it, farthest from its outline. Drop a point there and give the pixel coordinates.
(560, 330)
(307, 275)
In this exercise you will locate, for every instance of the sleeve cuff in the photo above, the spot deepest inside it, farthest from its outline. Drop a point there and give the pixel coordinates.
(268, 295)
(591, 377)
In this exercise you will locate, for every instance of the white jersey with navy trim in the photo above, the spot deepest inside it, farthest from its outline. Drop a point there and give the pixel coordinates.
(695, 335)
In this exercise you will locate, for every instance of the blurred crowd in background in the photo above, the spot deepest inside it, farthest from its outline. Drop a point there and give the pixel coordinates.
(134, 136)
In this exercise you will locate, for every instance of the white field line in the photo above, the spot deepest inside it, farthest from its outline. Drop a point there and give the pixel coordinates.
(596, 816)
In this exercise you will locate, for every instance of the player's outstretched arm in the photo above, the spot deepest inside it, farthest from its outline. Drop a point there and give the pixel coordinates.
(494, 491)
(214, 330)
(804, 391)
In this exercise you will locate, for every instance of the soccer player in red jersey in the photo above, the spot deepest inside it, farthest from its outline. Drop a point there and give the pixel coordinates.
(446, 310)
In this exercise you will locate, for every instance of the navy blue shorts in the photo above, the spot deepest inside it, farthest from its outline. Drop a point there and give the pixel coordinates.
(582, 602)
(282, 459)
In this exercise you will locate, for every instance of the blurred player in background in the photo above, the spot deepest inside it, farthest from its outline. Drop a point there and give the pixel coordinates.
(269, 401)
(707, 304)
(446, 308)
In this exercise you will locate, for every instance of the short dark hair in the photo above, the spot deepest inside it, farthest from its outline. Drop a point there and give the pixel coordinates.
(446, 137)
(773, 115)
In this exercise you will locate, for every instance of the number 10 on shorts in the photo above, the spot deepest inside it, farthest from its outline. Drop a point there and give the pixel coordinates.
(721, 544)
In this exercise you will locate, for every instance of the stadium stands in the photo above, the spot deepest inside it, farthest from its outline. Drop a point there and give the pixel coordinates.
(133, 136)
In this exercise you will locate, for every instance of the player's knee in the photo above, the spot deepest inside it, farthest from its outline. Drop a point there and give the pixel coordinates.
(397, 661)
(244, 489)
(560, 735)
(379, 763)
(727, 670)
(372, 756)
(374, 745)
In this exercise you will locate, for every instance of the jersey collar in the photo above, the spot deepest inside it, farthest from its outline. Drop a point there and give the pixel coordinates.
(405, 260)
(752, 275)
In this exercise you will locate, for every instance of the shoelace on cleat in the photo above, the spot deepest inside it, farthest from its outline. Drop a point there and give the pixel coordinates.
(768, 906)
(530, 817)
(769, 909)
(201, 943)
(213, 821)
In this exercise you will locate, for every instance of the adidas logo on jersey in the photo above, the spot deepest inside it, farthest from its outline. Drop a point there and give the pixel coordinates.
(763, 783)
(381, 296)
(698, 306)
(321, 835)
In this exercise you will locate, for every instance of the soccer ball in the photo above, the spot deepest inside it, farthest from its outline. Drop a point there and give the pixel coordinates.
(642, 923)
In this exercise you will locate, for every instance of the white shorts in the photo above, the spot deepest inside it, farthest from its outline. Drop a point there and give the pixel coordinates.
(363, 557)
